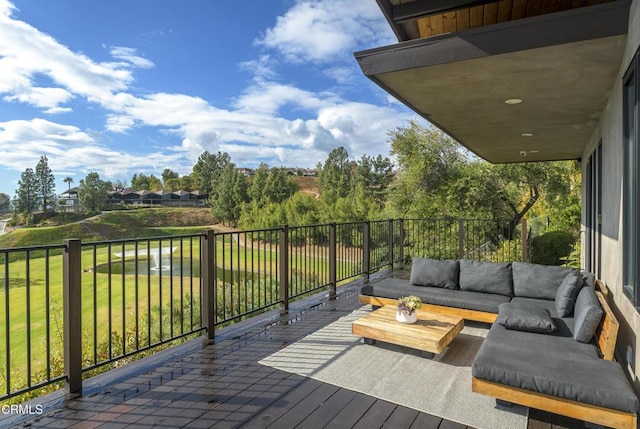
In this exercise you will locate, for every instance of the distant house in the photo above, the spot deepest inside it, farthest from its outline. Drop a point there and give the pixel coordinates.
(69, 202)
(246, 171)
(167, 198)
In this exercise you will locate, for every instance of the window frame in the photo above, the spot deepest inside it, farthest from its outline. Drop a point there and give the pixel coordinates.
(631, 177)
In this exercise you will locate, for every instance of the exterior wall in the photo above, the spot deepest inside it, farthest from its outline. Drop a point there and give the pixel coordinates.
(611, 132)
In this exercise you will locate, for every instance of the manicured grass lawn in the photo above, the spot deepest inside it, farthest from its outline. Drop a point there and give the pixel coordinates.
(119, 303)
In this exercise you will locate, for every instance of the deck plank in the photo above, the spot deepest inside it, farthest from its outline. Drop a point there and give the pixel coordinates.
(376, 416)
(296, 414)
(426, 421)
(279, 407)
(328, 409)
(401, 417)
(353, 412)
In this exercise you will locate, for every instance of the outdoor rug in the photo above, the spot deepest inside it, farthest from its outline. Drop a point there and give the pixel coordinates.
(440, 387)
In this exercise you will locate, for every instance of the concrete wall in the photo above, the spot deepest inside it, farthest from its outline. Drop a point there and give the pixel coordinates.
(611, 133)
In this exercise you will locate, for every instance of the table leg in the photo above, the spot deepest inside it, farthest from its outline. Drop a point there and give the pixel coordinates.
(427, 355)
(369, 341)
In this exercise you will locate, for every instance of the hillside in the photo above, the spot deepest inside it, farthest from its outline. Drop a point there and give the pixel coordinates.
(115, 225)
(307, 185)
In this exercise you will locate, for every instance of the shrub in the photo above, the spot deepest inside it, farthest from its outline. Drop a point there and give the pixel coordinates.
(549, 248)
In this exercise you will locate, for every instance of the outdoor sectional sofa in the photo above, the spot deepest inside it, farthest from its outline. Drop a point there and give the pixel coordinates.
(552, 340)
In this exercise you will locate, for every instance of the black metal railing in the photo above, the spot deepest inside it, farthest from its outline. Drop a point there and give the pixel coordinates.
(30, 318)
(138, 294)
(68, 310)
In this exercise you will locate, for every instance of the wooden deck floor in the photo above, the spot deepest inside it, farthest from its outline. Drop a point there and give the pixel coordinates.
(223, 386)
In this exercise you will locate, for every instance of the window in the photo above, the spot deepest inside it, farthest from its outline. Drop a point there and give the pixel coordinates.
(631, 203)
(593, 183)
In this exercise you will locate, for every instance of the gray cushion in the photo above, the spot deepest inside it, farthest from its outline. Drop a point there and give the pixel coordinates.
(588, 313)
(430, 272)
(528, 318)
(561, 322)
(553, 364)
(589, 278)
(397, 288)
(537, 281)
(567, 293)
(490, 277)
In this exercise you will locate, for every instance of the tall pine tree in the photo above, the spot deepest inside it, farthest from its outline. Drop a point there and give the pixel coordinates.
(46, 183)
(26, 199)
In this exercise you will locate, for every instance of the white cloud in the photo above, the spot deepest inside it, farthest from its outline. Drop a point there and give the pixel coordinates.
(319, 31)
(26, 52)
(130, 56)
(68, 148)
(269, 97)
(48, 98)
(262, 69)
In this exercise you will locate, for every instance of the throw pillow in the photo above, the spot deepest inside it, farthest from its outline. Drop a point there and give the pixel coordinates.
(488, 277)
(567, 293)
(430, 272)
(523, 317)
(588, 313)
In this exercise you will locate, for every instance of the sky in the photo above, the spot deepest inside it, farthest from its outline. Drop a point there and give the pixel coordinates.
(121, 87)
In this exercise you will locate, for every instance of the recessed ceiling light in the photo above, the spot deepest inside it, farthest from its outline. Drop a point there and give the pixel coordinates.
(534, 151)
(513, 101)
(526, 135)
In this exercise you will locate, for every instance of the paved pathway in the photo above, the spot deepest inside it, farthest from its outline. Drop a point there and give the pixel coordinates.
(3, 224)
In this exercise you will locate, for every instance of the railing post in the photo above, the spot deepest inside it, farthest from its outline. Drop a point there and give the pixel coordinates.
(333, 261)
(208, 278)
(366, 250)
(524, 239)
(284, 268)
(72, 314)
(390, 243)
(401, 245)
(460, 238)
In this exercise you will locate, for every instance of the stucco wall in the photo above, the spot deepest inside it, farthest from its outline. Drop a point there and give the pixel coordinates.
(611, 133)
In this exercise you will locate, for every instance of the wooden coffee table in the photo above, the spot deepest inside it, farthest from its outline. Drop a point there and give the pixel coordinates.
(431, 334)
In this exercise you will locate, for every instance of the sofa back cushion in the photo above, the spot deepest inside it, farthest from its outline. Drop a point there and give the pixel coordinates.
(489, 277)
(537, 281)
(588, 313)
(434, 273)
(568, 293)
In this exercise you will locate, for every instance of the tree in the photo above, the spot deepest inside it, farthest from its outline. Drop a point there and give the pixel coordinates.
(278, 187)
(258, 182)
(5, 202)
(142, 182)
(187, 183)
(26, 199)
(120, 184)
(334, 177)
(374, 175)
(228, 193)
(68, 180)
(93, 192)
(45, 183)
(208, 169)
(429, 162)
(167, 175)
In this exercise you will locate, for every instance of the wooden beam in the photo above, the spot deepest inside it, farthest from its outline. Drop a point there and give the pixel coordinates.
(477, 316)
(552, 404)
(421, 8)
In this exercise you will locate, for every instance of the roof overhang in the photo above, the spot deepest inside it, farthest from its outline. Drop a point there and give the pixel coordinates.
(562, 66)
